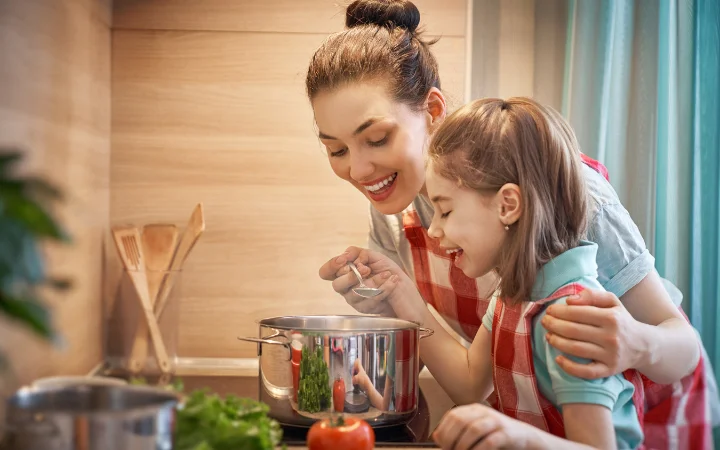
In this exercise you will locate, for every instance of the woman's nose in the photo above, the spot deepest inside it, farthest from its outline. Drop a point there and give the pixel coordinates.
(361, 168)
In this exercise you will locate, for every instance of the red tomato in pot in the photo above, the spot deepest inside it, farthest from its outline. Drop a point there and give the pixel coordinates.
(339, 394)
(341, 434)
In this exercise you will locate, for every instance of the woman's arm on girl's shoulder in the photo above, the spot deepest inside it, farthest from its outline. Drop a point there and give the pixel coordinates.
(673, 350)
(645, 331)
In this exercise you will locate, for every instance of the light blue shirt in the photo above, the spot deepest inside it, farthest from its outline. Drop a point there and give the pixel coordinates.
(559, 388)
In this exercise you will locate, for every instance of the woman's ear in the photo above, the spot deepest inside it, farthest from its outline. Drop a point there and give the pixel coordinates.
(435, 107)
(510, 203)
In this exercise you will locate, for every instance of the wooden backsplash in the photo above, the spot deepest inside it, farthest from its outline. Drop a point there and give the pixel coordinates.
(208, 105)
(55, 105)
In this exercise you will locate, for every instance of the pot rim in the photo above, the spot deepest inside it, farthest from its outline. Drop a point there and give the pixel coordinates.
(22, 401)
(398, 324)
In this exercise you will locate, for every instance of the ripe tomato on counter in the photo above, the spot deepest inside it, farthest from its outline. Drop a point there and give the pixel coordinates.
(341, 433)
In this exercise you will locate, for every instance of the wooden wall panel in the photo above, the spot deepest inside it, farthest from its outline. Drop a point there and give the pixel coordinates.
(445, 18)
(222, 118)
(55, 105)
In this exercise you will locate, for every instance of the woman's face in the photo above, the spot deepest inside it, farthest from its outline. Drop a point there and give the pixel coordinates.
(376, 143)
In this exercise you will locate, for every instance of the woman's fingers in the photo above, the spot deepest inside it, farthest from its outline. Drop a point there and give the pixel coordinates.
(343, 283)
(587, 315)
(573, 330)
(594, 297)
(364, 270)
(588, 371)
(329, 269)
(578, 349)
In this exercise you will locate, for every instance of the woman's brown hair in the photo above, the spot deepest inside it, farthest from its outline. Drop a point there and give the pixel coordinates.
(491, 142)
(381, 43)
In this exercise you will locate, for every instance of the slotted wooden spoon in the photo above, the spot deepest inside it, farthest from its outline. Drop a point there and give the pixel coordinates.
(128, 243)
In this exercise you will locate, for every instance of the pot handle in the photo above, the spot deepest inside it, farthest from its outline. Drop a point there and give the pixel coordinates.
(425, 332)
(263, 341)
(266, 340)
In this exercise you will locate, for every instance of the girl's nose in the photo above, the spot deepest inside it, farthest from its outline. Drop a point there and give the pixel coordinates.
(434, 231)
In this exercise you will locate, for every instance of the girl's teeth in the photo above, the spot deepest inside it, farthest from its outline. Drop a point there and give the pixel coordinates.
(381, 184)
(454, 250)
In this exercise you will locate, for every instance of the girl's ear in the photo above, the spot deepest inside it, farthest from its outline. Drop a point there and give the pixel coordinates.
(510, 203)
(435, 107)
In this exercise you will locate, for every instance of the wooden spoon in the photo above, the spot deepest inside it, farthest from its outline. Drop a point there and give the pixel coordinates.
(193, 230)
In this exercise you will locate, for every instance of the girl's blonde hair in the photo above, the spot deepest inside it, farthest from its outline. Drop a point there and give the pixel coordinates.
(491, 142)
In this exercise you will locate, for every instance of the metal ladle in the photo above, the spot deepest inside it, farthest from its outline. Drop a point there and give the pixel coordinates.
(362, 290)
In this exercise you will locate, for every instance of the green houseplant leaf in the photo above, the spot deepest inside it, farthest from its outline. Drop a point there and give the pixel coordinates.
(25, 221)
(30, 312)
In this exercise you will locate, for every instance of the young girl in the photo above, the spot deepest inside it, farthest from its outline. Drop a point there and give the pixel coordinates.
(376, 96)
(509, 197)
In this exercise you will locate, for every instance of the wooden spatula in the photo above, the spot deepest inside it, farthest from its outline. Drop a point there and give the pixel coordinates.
(195, 227)
(128, 243)
(158, 244)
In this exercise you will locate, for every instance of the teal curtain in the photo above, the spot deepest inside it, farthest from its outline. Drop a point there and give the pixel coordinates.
(641, 89)
(705, 242)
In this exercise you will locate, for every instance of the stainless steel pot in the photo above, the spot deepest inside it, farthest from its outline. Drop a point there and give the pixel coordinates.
(90, 417)
(308, 364)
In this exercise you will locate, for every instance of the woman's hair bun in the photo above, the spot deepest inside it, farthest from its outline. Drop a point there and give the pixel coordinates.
(383, 13)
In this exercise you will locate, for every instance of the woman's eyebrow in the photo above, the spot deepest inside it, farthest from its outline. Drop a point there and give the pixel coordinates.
(363, 126)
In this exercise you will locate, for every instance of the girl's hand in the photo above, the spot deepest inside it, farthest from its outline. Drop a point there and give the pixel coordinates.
(360, 376)
(400, 297)
(595, 325)
(478, 427)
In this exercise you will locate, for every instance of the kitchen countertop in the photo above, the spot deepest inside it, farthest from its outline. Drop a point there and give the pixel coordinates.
(225, 381)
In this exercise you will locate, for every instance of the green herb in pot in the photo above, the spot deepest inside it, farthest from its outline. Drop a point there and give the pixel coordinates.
(314, 394)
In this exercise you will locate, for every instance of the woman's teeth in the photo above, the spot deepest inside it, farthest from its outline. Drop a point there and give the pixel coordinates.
(454, 250)
(381, 184)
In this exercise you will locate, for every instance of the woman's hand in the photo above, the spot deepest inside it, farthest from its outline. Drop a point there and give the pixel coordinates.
(646, 332)
(478, 427)
(400, 297)
(375, 269)
(595, 325)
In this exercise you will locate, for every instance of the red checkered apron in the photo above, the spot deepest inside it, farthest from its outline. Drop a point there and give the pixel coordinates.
(676, 416)
(516, 388)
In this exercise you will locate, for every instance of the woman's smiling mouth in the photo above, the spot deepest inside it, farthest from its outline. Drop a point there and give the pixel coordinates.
(381, 189)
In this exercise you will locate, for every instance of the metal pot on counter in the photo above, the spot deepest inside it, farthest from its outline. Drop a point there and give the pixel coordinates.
(89, 417)
(312, 367)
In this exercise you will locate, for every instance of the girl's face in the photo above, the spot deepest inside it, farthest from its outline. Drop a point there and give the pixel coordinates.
(467, 223)
(376, 143)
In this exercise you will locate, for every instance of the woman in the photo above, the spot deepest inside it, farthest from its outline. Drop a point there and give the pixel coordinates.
(376, 97)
